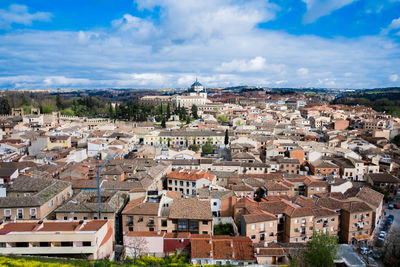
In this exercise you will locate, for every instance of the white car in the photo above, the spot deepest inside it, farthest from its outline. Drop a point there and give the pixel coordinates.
(365, 251)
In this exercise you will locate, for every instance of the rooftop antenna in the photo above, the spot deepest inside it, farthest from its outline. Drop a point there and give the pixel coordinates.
(98, 182)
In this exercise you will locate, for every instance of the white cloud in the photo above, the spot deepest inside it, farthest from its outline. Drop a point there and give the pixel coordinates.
(182, 20)
(255, 64)
(348, 74)
(302, 71)
(394, 25)
(320, 8)
(393, 77)
(19, 14)
(189, 42)
(54, 81)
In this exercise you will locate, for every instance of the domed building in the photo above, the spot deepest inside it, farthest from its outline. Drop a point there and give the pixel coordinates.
(195, 95)
(196, 87)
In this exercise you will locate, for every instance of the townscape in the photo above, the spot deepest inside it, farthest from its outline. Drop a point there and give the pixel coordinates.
(221, 177)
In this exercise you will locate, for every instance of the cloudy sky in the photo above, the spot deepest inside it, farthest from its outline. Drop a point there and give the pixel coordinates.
(167, 43)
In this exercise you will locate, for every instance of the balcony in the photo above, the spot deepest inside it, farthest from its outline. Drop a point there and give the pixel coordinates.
(129, 223)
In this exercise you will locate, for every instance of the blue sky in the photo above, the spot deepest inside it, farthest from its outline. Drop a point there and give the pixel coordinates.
(167, 43)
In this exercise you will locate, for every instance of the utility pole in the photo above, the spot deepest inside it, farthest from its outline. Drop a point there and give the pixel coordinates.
(98, 182)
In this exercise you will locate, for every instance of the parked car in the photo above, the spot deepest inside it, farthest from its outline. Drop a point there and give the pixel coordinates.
(383, 234)
(365, 251)
(390, 206)
(396, 206)
(376, 255)
(391, 217)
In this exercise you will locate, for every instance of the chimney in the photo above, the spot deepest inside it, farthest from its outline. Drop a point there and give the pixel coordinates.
(258, 250)
(233, 254)
(231, 244)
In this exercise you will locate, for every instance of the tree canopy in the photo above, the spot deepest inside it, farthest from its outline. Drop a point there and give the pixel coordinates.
(321, 250)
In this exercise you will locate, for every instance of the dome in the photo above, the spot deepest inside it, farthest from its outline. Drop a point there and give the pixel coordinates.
(196, 83)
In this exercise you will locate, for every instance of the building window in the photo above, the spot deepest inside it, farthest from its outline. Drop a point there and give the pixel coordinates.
(333, 219)
(215, 203)
(65, 218)
(253, 237)
(205, 222)
(296, 230)
(181, 183)
(164, 223)
(20, 213)
(33, 213)
(169, 181)
(140, 219)
(86, 243)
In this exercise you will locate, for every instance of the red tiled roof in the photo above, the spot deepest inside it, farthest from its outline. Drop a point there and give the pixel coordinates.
(223, 247)
(190, 175)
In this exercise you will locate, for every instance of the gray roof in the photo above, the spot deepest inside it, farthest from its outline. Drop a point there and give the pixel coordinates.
(86, 201)
(41, 190)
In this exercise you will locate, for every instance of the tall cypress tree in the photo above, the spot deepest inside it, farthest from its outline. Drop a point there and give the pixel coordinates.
(226, 141)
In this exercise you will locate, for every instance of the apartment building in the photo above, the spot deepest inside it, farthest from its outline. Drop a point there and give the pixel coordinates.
(199, 137)
(289, 165)
(84, 206)
(190, 215)
(188, 182)
(172, 216)
(260, 227)
(324, 168)
(356, 222)
(31, 198)
(314, 186)
(91, 239)
(301, 222)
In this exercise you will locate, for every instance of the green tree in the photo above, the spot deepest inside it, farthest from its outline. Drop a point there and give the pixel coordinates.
(5, 108)
(59, 102)
(46, 109)
(226, 141)
(396, 140)
(194, 147)
(67, 112)
(321, 250)
(111, 111)
(194, 112)
(207, 148)
(169, 142)
(168, 111)
(163, 123)
(187, 141)
(187, 119)
(222, 118)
